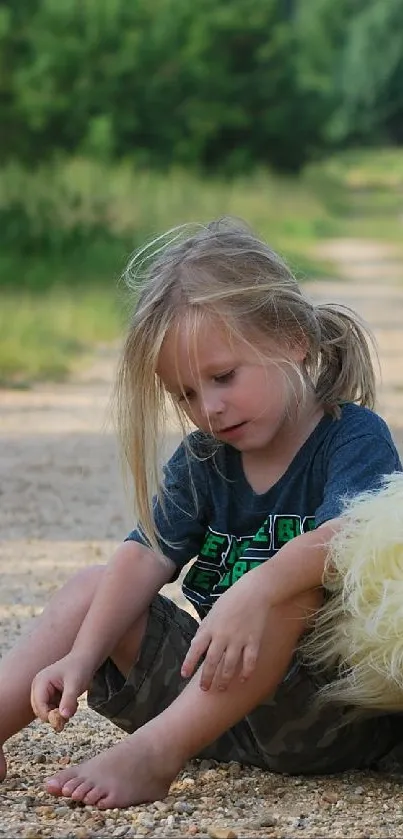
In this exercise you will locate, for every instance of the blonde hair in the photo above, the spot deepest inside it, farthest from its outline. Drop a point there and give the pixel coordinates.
(222, 269)
(358, 634)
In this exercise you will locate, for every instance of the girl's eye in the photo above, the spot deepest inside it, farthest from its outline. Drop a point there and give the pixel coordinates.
(224, 378)
(185, 397)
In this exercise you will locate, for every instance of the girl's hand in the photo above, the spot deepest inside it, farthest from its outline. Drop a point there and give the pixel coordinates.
(59, 686)
(230, 635)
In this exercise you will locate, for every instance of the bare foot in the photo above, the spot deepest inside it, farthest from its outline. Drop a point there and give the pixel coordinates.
(128, 773)
(3, 765)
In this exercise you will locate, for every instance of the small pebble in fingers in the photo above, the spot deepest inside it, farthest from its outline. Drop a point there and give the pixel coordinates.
(56, 720)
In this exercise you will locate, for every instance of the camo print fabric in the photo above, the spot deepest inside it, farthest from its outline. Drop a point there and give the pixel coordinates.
(286, 734)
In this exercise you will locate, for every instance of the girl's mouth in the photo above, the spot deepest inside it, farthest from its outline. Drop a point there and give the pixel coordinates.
(232, 431)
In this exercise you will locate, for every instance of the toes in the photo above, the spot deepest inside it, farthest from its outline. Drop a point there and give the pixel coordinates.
(105, 803)
(75, 787)
(94, 796)
(82, 790)
(70, 787)
(55, 784)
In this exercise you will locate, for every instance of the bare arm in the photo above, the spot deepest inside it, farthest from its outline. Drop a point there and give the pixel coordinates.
(131, 580)
(231, 634)
(299, 565)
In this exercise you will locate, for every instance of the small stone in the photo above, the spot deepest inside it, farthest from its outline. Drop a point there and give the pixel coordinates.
(147, 822)
(161, 807)
(210, 775)
(28, 800)
(41, 758)
(56, 720)
(183, 807)
(12, 784)
(266, 820)
(44, 811)
(217, 832)
(330, 797)
(358, 791)
(238, 783)
(205, 765)
(170, 821)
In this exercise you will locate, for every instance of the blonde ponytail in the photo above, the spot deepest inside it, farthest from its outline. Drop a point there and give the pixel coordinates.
(346, 371)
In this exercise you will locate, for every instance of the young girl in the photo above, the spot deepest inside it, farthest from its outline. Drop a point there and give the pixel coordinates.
(280, 392)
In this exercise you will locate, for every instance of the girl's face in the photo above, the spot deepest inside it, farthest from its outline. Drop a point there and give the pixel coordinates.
(229, 390)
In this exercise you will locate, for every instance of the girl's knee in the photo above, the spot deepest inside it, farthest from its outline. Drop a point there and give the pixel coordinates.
(87, 579)
(79, 589)
(74, 598)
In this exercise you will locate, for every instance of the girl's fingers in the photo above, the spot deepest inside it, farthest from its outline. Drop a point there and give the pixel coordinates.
(249, 660)
(210, 664)
(34, 704)
(230, 663)
(68, 703)
(40, 700)
(197, 648)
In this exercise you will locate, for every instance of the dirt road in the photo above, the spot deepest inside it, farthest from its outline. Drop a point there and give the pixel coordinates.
(62, 507)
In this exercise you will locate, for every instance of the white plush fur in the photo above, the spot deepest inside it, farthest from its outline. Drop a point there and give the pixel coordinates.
(359, 632)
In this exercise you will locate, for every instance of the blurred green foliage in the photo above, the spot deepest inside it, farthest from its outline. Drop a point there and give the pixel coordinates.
(77, 221)
(69, 228)
(122, 118)
(226, 85)
(44, 336)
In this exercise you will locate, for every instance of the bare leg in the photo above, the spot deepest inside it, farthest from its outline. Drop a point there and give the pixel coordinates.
(49, 637)
(142, 767)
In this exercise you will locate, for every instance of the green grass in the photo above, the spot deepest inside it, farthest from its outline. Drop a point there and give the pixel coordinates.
(68, 229)
(83, 208)
(43, 336)
(367, 168)
(363, 192)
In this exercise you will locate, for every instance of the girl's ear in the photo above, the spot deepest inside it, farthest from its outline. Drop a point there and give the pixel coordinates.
(298, 352)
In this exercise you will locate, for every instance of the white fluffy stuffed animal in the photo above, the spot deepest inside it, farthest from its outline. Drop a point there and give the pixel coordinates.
(358, 634)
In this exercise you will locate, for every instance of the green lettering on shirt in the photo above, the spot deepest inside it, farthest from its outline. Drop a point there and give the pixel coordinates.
(212, 544)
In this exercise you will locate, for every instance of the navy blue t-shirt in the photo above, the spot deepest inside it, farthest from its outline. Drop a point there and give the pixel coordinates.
(211, 512)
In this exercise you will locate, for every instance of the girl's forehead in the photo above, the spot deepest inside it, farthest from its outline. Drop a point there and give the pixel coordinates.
(199, 340)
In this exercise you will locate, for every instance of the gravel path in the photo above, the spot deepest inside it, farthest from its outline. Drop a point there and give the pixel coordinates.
(62, 508)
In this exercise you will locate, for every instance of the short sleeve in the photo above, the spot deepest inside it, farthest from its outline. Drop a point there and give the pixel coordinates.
(181, 517)
(355, 466)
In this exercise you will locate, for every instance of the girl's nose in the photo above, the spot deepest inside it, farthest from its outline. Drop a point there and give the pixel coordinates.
(211, 405)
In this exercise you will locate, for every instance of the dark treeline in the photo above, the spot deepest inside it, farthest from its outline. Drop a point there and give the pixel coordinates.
(226, 84)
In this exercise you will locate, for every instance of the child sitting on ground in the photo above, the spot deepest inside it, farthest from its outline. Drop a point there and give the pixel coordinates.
(281, 394)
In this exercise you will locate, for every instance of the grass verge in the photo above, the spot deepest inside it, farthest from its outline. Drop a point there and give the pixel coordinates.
(68, 230)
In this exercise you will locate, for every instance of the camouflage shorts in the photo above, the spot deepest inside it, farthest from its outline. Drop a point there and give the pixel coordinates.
(287, 733)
